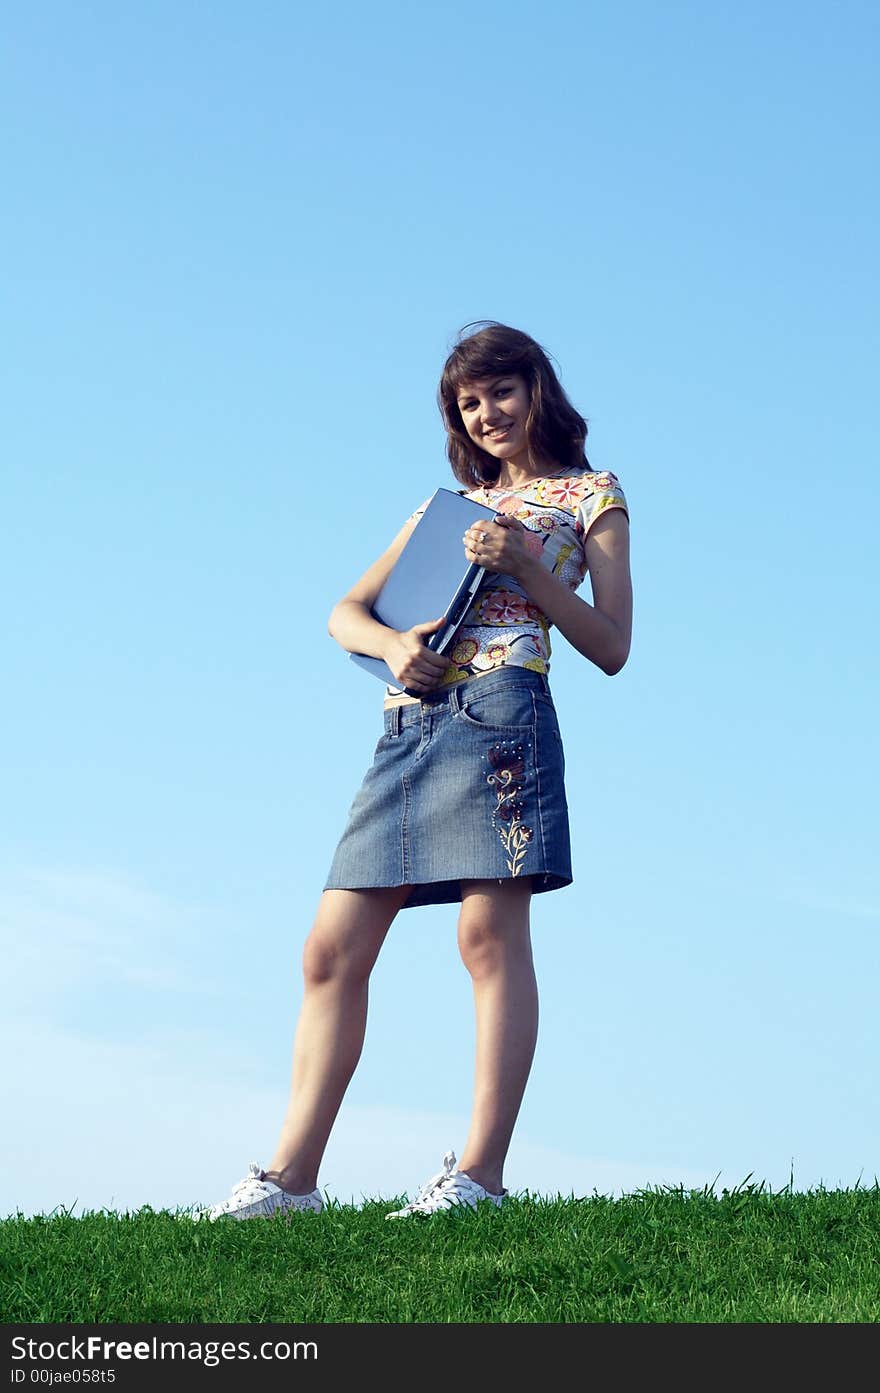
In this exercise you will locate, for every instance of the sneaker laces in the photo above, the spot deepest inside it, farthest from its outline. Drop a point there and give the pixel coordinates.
(253, 1187)
(438, 1181)
(445, 1182)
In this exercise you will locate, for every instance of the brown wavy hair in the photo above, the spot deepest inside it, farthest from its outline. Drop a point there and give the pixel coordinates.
(554, 430)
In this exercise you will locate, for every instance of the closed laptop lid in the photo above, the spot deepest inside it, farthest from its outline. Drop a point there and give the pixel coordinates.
(432, 566)
(432, 575)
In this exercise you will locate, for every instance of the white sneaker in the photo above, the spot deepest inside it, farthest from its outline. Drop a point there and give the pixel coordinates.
(255, 1198)
(450, 1187)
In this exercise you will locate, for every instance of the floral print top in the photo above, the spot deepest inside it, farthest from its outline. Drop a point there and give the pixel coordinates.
(502, 624)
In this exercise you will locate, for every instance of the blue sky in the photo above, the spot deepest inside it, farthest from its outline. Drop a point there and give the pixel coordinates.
(238, 243)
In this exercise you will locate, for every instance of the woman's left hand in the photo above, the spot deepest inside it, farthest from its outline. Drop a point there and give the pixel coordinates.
(499, 545)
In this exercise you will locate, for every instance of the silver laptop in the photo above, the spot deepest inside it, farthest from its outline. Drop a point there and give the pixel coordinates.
(432, 576)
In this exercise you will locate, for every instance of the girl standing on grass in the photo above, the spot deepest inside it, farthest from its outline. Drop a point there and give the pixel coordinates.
(465, 799)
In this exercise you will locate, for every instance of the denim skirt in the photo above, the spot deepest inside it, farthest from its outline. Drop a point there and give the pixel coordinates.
(466, 784)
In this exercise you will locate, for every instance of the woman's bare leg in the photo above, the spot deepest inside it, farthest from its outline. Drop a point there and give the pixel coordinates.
(495, 944)
(338, 956)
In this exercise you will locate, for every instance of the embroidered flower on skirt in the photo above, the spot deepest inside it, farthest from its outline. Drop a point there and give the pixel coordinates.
(508, 779)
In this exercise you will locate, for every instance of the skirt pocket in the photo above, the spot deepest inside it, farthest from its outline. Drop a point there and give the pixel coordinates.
(508, 707)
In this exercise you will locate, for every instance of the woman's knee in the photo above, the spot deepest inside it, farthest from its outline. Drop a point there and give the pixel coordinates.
(348, 932)
(493, 927)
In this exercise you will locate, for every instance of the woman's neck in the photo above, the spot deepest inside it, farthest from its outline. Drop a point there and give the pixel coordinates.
(515, 476)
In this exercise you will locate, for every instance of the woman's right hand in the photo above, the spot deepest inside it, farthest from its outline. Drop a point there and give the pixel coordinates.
(414, 664)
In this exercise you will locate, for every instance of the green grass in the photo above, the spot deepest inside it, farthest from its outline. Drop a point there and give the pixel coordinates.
(663, 1254)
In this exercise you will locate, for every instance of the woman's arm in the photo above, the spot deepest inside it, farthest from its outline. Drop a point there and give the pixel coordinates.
(350, 622)
(354, 628)
(602, 631)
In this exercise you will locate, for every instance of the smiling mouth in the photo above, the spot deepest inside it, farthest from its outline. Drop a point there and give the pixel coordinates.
(496, 434)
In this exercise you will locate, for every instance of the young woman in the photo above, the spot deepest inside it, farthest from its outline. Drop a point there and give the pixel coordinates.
(465, 799)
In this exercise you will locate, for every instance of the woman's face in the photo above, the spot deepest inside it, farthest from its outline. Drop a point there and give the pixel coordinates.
(494, 411)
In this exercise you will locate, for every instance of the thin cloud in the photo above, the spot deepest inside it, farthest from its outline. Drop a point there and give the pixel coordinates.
(825, 902)
(64, 927)
(176, 1122)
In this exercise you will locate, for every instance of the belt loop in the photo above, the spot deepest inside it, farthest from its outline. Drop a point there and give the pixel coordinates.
(395, 720)
(455, 697)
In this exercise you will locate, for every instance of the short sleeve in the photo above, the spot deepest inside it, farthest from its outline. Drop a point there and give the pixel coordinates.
(603, 492)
